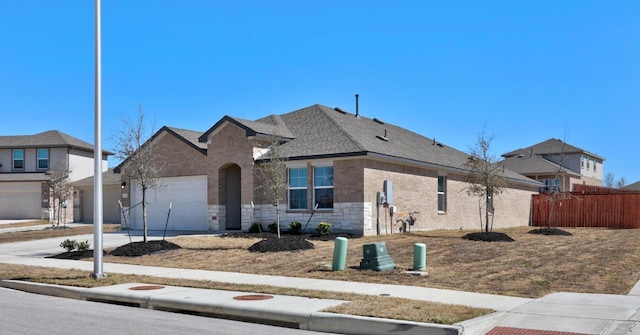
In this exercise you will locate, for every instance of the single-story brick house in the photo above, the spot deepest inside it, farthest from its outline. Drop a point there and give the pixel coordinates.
(339, 161)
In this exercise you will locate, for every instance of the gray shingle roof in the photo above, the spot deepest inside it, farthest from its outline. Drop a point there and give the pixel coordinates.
(108, 177)
(269, 126)
(318, 131)
(527, 164)
(190, 136)
(550, 147)
(47, 139)
(633, 187)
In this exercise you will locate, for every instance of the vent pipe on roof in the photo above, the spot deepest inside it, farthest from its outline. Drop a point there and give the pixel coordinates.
(357, 111)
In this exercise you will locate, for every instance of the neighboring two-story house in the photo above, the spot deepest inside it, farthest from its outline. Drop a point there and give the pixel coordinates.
(335, 160)
(26, 162)
(556, 164)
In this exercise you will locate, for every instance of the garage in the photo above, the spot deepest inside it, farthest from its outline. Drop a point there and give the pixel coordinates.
(188, 199)
(20, 200)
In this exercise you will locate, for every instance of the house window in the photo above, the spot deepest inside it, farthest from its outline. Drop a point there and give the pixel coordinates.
(323, 186)
(594, 165)
(442, 193)
(582, 161)
(588, 161)
(18, 159)
(43, 159)
(298, 188)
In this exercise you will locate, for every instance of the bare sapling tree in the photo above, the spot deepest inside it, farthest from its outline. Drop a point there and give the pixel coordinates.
(485, 178)
(60, 190)
(273, 174)
(555, 192)
(142, 161)
(610, 181)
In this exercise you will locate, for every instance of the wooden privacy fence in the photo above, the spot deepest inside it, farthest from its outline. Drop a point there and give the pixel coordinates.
(579, 209)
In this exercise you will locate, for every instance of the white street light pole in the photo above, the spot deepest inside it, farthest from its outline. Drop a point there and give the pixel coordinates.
(97, 156)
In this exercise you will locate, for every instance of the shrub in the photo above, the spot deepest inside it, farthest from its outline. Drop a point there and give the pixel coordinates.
(273, 227)
(255, 228)
(324, 228)
(295, 227)
(83, 246)
(69, 245)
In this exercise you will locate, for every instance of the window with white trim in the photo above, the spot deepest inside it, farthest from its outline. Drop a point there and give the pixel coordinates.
(442, 194)
(18, 159)
(43, 159)
(297, 188)
(323, 186)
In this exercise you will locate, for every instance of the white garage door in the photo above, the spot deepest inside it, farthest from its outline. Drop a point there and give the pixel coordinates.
(20, 200)
(188, 199)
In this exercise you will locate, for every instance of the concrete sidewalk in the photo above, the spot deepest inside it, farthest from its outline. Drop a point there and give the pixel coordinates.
(559, 312)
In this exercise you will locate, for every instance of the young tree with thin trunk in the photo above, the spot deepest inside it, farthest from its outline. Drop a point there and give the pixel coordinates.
(609, 179)
(60, 189)
(485, 178)
(273, 176)
(141, 159)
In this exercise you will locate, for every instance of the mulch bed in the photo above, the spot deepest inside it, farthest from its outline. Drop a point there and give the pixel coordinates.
(488, 237)
(74, 255)
(550, 231)
(284, 243)
(135, 249)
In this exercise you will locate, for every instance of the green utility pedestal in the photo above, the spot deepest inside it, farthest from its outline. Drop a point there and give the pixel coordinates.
(376, 257)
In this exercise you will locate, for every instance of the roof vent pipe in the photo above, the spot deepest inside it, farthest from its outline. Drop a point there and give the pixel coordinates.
(357, 111)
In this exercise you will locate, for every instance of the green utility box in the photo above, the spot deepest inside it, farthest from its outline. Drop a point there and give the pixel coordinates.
(376, 257)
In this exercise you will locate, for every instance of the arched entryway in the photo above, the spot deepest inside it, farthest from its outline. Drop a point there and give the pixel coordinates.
(233, 192)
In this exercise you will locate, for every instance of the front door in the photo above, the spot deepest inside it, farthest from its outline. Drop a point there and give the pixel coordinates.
(233, 199)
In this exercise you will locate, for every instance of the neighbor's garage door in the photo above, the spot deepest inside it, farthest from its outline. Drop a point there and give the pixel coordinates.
(20, 200)
(188, 196)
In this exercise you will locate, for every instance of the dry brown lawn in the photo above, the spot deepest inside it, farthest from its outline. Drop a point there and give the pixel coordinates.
(49, 232)
(592, 260)
(363, 305)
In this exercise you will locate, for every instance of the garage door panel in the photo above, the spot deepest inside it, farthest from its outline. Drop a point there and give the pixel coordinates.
(20, 201)
(187, 197)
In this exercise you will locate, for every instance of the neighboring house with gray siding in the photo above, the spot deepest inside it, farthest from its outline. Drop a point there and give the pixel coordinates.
(83, 198)
(25, 163)
(556, 164)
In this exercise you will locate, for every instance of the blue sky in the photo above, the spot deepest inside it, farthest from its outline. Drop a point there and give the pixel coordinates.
(526, 71)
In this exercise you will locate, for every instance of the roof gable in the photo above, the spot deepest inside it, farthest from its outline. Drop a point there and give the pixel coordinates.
(526, 163)
(268, 126)
(552, 146)
(189, 137)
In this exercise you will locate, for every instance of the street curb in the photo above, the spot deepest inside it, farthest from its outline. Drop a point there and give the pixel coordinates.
(360, 325)
(316, 321)
(45, 289)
